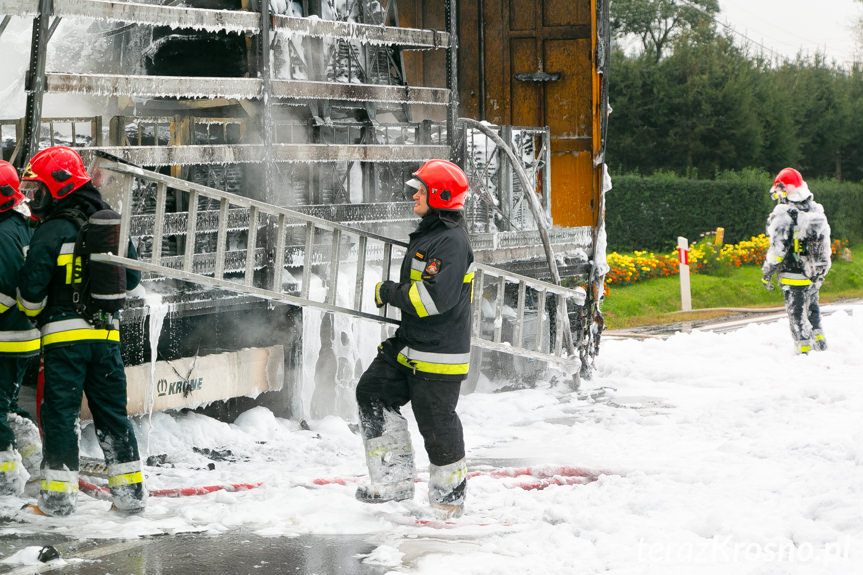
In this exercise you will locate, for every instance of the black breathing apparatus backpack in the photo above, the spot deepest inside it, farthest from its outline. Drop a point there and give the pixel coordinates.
(99, 287)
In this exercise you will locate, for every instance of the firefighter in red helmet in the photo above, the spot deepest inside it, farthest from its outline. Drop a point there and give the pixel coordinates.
(20, 445)
(426, 360)
(799, 254)
(81, 354)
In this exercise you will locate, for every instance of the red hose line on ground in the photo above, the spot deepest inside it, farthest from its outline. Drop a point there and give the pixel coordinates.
(542, 477)
(104, 493)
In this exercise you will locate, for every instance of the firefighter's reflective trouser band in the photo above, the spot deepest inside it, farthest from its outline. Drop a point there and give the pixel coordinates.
(11, 482)
(390, 459)
(820, 343)
(126, 482)
(448, 488)
(58, 492)
(29, 442)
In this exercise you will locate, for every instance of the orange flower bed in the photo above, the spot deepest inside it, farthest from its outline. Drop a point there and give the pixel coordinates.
(627, 269)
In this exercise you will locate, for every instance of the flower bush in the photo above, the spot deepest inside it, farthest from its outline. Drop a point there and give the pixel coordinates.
(704, 257)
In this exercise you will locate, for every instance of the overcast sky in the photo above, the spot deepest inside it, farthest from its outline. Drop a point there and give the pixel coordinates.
(788, 26)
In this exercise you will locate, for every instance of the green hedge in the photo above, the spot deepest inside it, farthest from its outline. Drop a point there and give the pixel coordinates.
(843, 206)
(648, 213)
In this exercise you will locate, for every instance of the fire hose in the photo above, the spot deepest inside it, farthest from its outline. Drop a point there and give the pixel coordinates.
(103, 493)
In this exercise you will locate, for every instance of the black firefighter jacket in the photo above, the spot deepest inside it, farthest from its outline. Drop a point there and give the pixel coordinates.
(18, 337)
(45, 282)
(434, 294)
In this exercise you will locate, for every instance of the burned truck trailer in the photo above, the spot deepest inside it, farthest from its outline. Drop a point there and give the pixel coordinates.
(257, 152)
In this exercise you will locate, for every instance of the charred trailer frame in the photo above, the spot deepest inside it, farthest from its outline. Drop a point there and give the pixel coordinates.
(302, 132)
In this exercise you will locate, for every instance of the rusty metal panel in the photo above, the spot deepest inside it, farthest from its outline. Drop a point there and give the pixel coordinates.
(497, 69)
(527, 105)
(470, 60)
(566, 13)
(539, 70)
(572, 202)
(522, 15)
(569, 99)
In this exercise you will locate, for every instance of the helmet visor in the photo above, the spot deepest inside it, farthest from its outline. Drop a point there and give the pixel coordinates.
(39, 197)
(30, 187)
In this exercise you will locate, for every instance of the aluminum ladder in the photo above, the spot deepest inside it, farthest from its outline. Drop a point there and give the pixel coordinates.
(257, 244)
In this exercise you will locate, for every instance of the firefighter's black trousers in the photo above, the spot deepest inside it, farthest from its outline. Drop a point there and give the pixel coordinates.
(386, 386)
(804, 312)
(94, 368)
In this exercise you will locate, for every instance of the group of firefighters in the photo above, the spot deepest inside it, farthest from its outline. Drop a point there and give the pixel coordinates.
(424, 362)
(39, 223)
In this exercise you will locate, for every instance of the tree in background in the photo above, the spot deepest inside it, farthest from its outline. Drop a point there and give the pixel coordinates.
(707, 106)
(657, 22)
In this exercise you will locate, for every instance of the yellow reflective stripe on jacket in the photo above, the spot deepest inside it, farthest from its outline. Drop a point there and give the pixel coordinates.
(7, 466)
(30, 309)
(468, 278)
(65, 260)
(418, 266)
(422, 300)
(416, 300)
(125, 479)
(6, 302)
(59, 486)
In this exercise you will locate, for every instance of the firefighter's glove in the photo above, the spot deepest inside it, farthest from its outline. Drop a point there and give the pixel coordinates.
(768, 282)
(383, 291)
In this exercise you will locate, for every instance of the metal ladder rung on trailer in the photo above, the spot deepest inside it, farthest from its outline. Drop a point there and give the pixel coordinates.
(325, 252)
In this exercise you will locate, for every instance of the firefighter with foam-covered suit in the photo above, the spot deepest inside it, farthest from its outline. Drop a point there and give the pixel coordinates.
(81, 355)
(20, 444)
(426, 360)
(799, 255)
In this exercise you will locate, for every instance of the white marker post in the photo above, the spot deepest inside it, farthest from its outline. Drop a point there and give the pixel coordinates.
(685, 292)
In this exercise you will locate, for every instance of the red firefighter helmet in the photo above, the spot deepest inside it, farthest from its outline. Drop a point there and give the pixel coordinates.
(447, 184)
(10, 196)
(61, 169)
(789, 184)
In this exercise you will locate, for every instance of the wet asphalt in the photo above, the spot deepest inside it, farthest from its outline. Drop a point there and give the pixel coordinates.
(191, 553)
(187, 554)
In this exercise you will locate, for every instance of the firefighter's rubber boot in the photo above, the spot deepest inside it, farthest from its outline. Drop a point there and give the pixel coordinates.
(29, 442)
(802, 347)
(819, 341)
(58, 492)
(126, 482)
(447, 489)
(13, 476)
(390, 459)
